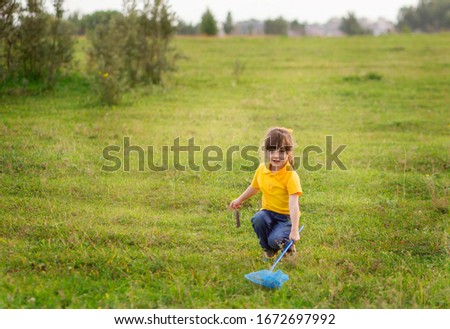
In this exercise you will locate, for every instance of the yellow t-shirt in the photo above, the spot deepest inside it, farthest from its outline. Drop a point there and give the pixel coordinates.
(276, 187)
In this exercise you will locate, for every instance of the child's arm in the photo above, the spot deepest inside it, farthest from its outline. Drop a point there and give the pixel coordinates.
(294, 212)
(248, 193)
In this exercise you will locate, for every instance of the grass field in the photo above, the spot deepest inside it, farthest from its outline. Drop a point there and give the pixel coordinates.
(376, 234)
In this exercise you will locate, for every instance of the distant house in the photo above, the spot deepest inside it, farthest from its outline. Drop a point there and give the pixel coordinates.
(251, 27)
(379, 27)
(332, 27)
(329, 29)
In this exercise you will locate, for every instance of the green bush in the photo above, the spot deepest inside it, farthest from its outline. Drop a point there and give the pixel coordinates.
(35, 45)
(106, 62)
(133, 49)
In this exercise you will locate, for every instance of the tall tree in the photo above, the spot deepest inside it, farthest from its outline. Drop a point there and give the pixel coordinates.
(61, 43)
(277, 26)
(9, 11)
(208, 24)
(351, 26)
(228, 26)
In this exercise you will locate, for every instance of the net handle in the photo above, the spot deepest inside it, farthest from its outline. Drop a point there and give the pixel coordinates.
(285, 250)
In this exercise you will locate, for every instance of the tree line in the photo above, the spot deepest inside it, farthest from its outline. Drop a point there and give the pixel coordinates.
(427, 16)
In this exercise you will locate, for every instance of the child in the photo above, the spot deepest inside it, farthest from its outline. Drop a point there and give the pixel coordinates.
(278, 220)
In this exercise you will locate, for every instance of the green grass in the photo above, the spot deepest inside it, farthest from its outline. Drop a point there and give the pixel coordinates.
(376, 235)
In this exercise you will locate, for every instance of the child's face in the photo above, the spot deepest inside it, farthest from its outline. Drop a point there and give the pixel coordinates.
(277, 158)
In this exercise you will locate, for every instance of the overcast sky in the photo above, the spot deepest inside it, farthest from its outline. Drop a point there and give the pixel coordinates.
(311, 11)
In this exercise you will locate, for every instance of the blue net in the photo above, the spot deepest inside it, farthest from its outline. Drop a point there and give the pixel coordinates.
(268, 278)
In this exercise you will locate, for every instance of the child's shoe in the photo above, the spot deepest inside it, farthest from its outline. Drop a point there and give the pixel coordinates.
(292, 251)
(269, 255)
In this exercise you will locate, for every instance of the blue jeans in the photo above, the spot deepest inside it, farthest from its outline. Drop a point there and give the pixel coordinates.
(272, 229)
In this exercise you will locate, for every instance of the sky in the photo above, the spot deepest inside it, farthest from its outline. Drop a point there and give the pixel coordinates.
(311, 11)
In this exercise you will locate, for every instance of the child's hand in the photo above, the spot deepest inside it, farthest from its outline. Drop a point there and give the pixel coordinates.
(235, 204)
(294, 236)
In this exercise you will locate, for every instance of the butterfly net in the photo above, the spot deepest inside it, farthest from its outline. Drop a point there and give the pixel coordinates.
(268, 278)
